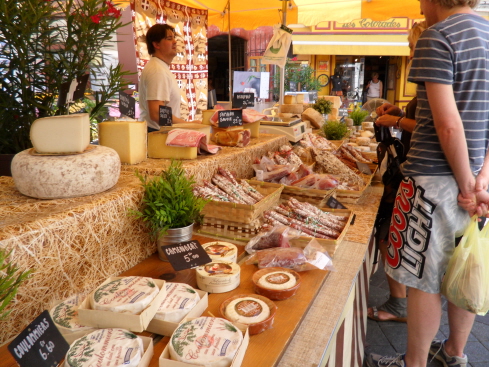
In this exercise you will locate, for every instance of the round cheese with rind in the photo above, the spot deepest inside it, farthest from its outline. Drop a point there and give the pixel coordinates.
(66, 176)
(247, 310)
(180, 299)
(106, 347)
(277, 280)
(208, 341)
(218, 276)
(129, 295)
(221, 251)
(65, 315)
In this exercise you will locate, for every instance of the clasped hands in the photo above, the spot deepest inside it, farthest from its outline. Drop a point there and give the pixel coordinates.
(477, 200)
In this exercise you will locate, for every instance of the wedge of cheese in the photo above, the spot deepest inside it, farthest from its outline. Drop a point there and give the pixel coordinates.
(206, 116)
(157, 148)
(290, 99)
(127, 138)
(61, 134)
(254, 128)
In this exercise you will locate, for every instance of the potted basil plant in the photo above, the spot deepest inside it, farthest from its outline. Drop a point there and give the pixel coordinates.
(170, 207)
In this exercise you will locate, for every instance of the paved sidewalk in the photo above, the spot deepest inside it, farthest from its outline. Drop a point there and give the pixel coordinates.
(389, 338)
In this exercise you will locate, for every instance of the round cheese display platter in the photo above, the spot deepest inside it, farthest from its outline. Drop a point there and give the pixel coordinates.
(180, 299)
(253, 310)
(218, 276)
(207, 341)
(221, 251)
(129, 295)
(106, 347)
(276, 283)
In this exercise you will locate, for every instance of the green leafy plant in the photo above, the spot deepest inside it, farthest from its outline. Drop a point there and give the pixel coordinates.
(169, 201)
(43, 44)
(323, 106)
(358, 115)
(334, 130)
(10, 280)
(302, 75)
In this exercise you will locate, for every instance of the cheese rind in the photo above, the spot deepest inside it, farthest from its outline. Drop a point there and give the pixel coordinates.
(277, 280)
(58, 177)
(292, 108)
(127, 138)
(65, 315)
(61, 134)
(157, 148)
(129, 295)
(208, 341)
(247, 310)
(218, 276)
(106, 347)
(221, 251)
(180, 299)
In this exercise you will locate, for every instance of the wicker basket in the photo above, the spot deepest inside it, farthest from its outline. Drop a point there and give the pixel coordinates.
(352, 197)
(229, 230)
(242, 213)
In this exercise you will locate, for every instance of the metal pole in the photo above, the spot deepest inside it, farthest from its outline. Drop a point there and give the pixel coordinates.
(229, 54)
(282, 70)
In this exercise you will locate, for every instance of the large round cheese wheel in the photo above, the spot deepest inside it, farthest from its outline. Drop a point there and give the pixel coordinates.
(65, 315)
(66, 176)
(221, 251)
(277, 280)
(247, 310)
(218, 276)
(125, 295)
(180, 299)
(106, 347)
(208, 341)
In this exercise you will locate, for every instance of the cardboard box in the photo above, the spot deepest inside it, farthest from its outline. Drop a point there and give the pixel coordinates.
(107, 319)
(165, 361)
(167, 328)
(146, 357)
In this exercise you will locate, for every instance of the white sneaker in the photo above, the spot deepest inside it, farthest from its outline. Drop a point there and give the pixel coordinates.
(437, 350)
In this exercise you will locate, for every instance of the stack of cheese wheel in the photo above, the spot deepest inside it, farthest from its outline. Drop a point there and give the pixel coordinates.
(65, 316)
(206, 341)
(218, 276)
(129, 295)
(253, 310)
(62, 163)
(106, 347)
(221, 251)
(180, 299)
(276, 283)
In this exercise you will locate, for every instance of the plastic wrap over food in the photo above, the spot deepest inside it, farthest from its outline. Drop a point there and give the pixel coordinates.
(267, 170)
(276, 236)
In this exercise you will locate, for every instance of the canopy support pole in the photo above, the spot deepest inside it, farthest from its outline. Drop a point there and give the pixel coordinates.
(230, 76)
(282, 70)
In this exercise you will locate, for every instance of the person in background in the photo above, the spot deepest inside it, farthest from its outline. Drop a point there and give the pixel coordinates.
(157, 85)
(395, 308)
(448, 160)
(374, 87)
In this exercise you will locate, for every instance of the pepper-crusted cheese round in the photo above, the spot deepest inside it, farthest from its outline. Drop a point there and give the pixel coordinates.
(180, 299)
(209, 341)
(218, 276)
(65, 315)
(106, 347)
(247, 310)
(277, 280)
(67, 176)
(125, 295)
(221, 251)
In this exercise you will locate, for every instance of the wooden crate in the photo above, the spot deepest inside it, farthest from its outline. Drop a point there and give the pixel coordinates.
(243, 213)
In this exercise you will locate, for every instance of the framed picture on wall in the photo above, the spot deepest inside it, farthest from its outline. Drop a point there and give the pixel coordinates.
(323, 66)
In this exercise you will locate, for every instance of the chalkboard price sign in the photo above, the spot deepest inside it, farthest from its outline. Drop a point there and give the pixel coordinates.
(186, 255)
(335, 204)
(127, 105)
(364, 168)
(243, 100)
(40, 344)
(227, 118)
(165, 116)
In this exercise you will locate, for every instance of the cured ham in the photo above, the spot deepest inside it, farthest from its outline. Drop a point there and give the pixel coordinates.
(233, 138)
(190, 138)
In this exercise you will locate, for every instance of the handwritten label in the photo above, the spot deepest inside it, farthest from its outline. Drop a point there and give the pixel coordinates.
(243, 100)
(186, 255)
(364, 168)
(165, 116)
(335, 204)
(227, 118)
(39, 344)
(127, 105)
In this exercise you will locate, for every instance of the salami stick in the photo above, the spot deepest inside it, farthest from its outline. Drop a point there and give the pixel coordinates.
(237, 187)
(314, 213)
(217, 190)
(308, 232)
(251, 190)
(229, 189)
(316, 229)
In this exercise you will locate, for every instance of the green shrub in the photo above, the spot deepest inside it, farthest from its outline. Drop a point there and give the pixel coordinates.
(358, 115)
(334, 130)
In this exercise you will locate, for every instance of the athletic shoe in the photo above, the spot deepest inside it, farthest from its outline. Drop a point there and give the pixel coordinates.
(376, 360)
(437, 350)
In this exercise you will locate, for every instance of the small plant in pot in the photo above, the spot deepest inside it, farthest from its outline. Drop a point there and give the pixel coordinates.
(334, 130)
(170, 207)
(358, 115)
(323, 106)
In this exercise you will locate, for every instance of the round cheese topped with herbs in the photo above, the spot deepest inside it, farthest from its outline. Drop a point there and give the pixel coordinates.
(221, 251)
(65, 314)
(277, 280)
(247, 310)
(125, 295)
(106, 347)
(209, 341)
(180, 299)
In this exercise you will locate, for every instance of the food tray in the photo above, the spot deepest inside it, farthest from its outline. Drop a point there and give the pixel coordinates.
(243, 213)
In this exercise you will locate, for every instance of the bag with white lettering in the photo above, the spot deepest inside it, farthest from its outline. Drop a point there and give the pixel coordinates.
(466, 281)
